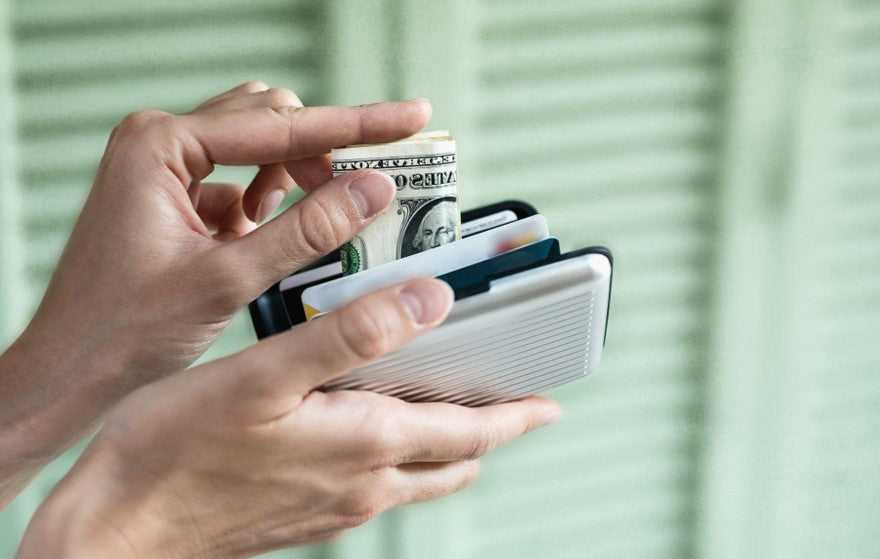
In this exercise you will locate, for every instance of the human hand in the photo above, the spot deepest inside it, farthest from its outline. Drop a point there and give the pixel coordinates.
(240, 455)
(159, 261)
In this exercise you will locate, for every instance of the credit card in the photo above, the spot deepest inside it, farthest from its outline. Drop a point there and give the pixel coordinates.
(486, 223)
(333, 294)
(475, 278)
(328, 271)
(291, 297)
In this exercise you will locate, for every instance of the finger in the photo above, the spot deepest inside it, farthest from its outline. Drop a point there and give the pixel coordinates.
(447, 432)
(237, 91)
(260, 136)
(311, 172)
(275, 181)
(314, 226)
(267, 189)
(345, 339)
(219, 206)
(426, 481)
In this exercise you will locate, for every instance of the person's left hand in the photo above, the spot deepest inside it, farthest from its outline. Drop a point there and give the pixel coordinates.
(245, 454)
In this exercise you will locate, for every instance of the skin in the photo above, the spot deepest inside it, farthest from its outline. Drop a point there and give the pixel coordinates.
(437, 228)
(242, 454)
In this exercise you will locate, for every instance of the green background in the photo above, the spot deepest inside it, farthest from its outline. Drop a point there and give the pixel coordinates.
(727, 152)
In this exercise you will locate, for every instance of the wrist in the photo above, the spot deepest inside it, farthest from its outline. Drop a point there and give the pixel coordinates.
(65, 530)
(92, 514)
(53, 392)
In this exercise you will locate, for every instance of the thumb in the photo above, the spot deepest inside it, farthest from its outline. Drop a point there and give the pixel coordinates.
(316, 225)
(295, 362)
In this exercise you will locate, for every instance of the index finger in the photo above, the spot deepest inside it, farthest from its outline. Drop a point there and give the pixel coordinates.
(437, 432)
(271, 135)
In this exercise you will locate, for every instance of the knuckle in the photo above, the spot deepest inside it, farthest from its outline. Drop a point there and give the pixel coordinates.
(286, 116)
(481, 442)
(379, 436)
(360, 507)
(254, 86)
(280, 97)
(139, 122)
(286, 111)
(322, 227)
(365, 332)
(375, 438)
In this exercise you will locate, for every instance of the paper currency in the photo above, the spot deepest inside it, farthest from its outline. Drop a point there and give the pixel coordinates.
(425, 212)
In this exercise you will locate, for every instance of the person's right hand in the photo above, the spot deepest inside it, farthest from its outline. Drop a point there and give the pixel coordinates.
(240, 456)
(160, 261)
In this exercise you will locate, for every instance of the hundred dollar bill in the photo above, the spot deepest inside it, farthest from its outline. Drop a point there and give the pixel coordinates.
(425, 212)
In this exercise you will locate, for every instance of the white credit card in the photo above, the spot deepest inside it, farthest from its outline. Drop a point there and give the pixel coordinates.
(333, 294)
(488, 222)
(335, 268)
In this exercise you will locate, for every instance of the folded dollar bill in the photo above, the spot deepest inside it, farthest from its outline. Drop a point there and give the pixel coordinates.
(425, 212)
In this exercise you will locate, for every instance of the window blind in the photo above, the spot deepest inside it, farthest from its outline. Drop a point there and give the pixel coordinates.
(11, 311)
(841, 310)
(790, 469)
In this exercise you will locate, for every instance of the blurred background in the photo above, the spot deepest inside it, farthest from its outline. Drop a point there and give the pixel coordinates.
(727, 152)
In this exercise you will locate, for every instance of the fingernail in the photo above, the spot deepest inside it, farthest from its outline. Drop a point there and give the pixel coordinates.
(426, 301)
(371, 192)
(269, 204)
